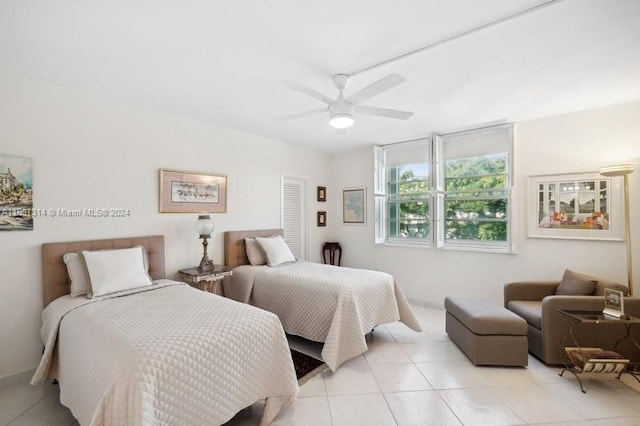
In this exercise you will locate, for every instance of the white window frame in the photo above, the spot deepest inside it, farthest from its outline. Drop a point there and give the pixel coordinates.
(437, 201)
(380, 197)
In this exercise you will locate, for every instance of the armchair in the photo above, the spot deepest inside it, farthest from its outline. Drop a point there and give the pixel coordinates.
(538, 304)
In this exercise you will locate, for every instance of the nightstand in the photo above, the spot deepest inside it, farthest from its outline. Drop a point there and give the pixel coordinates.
(207, 280)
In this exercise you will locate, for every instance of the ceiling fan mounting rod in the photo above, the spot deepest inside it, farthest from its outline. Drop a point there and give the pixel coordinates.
(455, 36)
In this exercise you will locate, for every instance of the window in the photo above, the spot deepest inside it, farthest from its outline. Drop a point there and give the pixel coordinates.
(476, 175)
(405, 192)
(451, 190)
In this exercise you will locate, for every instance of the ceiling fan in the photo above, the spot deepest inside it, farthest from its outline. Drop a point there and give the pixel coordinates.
(343, 110)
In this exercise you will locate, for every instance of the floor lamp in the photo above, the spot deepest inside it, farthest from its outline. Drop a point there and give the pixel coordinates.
(624, 170)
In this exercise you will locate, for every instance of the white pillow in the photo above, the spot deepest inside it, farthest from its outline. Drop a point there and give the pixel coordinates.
(254, 252)
(276, 250)
(77, 272)
(115, 270)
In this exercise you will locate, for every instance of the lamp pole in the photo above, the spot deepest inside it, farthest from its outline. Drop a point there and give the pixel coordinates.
(627, 225)
(624, 170)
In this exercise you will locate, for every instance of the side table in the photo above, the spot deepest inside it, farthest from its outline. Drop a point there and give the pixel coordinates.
(206, 280)
(598, 360)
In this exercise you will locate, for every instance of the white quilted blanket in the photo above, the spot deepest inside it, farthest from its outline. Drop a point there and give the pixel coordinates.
(324, 303)
(165, 355)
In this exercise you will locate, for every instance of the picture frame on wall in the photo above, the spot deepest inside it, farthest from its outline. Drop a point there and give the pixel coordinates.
(354, 206)
(585, 206)
(322, 193)
(192, 192)
(322, 219)
(16, 193)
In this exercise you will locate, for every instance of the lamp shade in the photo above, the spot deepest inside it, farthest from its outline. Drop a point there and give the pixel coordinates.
(204, 225)
(617, 170)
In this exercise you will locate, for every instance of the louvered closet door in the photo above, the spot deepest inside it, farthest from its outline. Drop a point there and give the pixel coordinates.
(293, 215)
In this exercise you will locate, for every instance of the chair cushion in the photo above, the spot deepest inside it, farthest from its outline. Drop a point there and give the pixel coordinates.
(484, 317)
(576, 284)
(531, 311)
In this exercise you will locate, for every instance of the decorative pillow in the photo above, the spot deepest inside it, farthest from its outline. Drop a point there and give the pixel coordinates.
(276, 250)
(576, 284)
(254, 252)
(115, 270)
(77, 272)
(78, 275)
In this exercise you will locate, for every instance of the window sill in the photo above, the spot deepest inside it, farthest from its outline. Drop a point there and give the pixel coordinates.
(490, 250)
(485, 249)
(405, 244)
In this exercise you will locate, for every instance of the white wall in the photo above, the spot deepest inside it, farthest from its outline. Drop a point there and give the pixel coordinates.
(581, 141)
(89, 152)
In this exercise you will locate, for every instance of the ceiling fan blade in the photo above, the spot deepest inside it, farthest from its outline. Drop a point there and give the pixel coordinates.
(309, 92)
(383, 112)
(303, 114)
(379, 86)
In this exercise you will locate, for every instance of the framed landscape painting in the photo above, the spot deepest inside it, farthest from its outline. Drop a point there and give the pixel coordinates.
(16, 193)
(585, 206)
(192, 192)
(354, 205)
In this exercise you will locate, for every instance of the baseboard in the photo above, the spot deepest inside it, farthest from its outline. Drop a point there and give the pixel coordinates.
(425, 304)
(22, 377)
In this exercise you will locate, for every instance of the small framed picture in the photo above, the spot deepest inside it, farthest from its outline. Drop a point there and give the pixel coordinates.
(613, 303)
(322, 218)
(322, 193)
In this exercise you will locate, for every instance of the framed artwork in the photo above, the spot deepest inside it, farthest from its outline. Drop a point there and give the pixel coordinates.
(613, 303)
(322, 218)
(585, 206)
(354, 205)
(16, 193)
(322, 193)
(192, 192)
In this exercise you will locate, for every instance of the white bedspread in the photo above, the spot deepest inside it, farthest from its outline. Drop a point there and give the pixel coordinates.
(324, 303)
(167, 354)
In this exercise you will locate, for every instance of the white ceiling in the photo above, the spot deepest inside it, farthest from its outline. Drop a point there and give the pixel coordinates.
(226, 62)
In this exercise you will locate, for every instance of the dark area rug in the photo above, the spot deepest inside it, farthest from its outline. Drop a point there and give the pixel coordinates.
(306, 366)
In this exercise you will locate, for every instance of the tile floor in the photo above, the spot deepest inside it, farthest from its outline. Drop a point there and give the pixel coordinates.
(407, 378)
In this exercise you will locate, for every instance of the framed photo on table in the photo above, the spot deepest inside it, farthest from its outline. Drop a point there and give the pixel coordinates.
(192, 192)
(613, 303)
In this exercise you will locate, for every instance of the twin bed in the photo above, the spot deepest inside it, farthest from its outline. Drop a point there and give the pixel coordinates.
(323, 303)
(162, 354)
(171, 354)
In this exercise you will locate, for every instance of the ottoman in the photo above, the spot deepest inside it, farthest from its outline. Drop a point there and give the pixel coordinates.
(487, 333)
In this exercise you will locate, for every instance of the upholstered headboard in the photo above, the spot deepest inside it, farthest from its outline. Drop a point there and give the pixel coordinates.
(55, 281)
(235, 253)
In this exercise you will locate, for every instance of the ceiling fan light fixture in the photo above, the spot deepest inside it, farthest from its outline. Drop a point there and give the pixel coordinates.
(341, 115)
(341, 121)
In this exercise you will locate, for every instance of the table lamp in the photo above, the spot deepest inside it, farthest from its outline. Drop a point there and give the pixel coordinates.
(204, 227)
